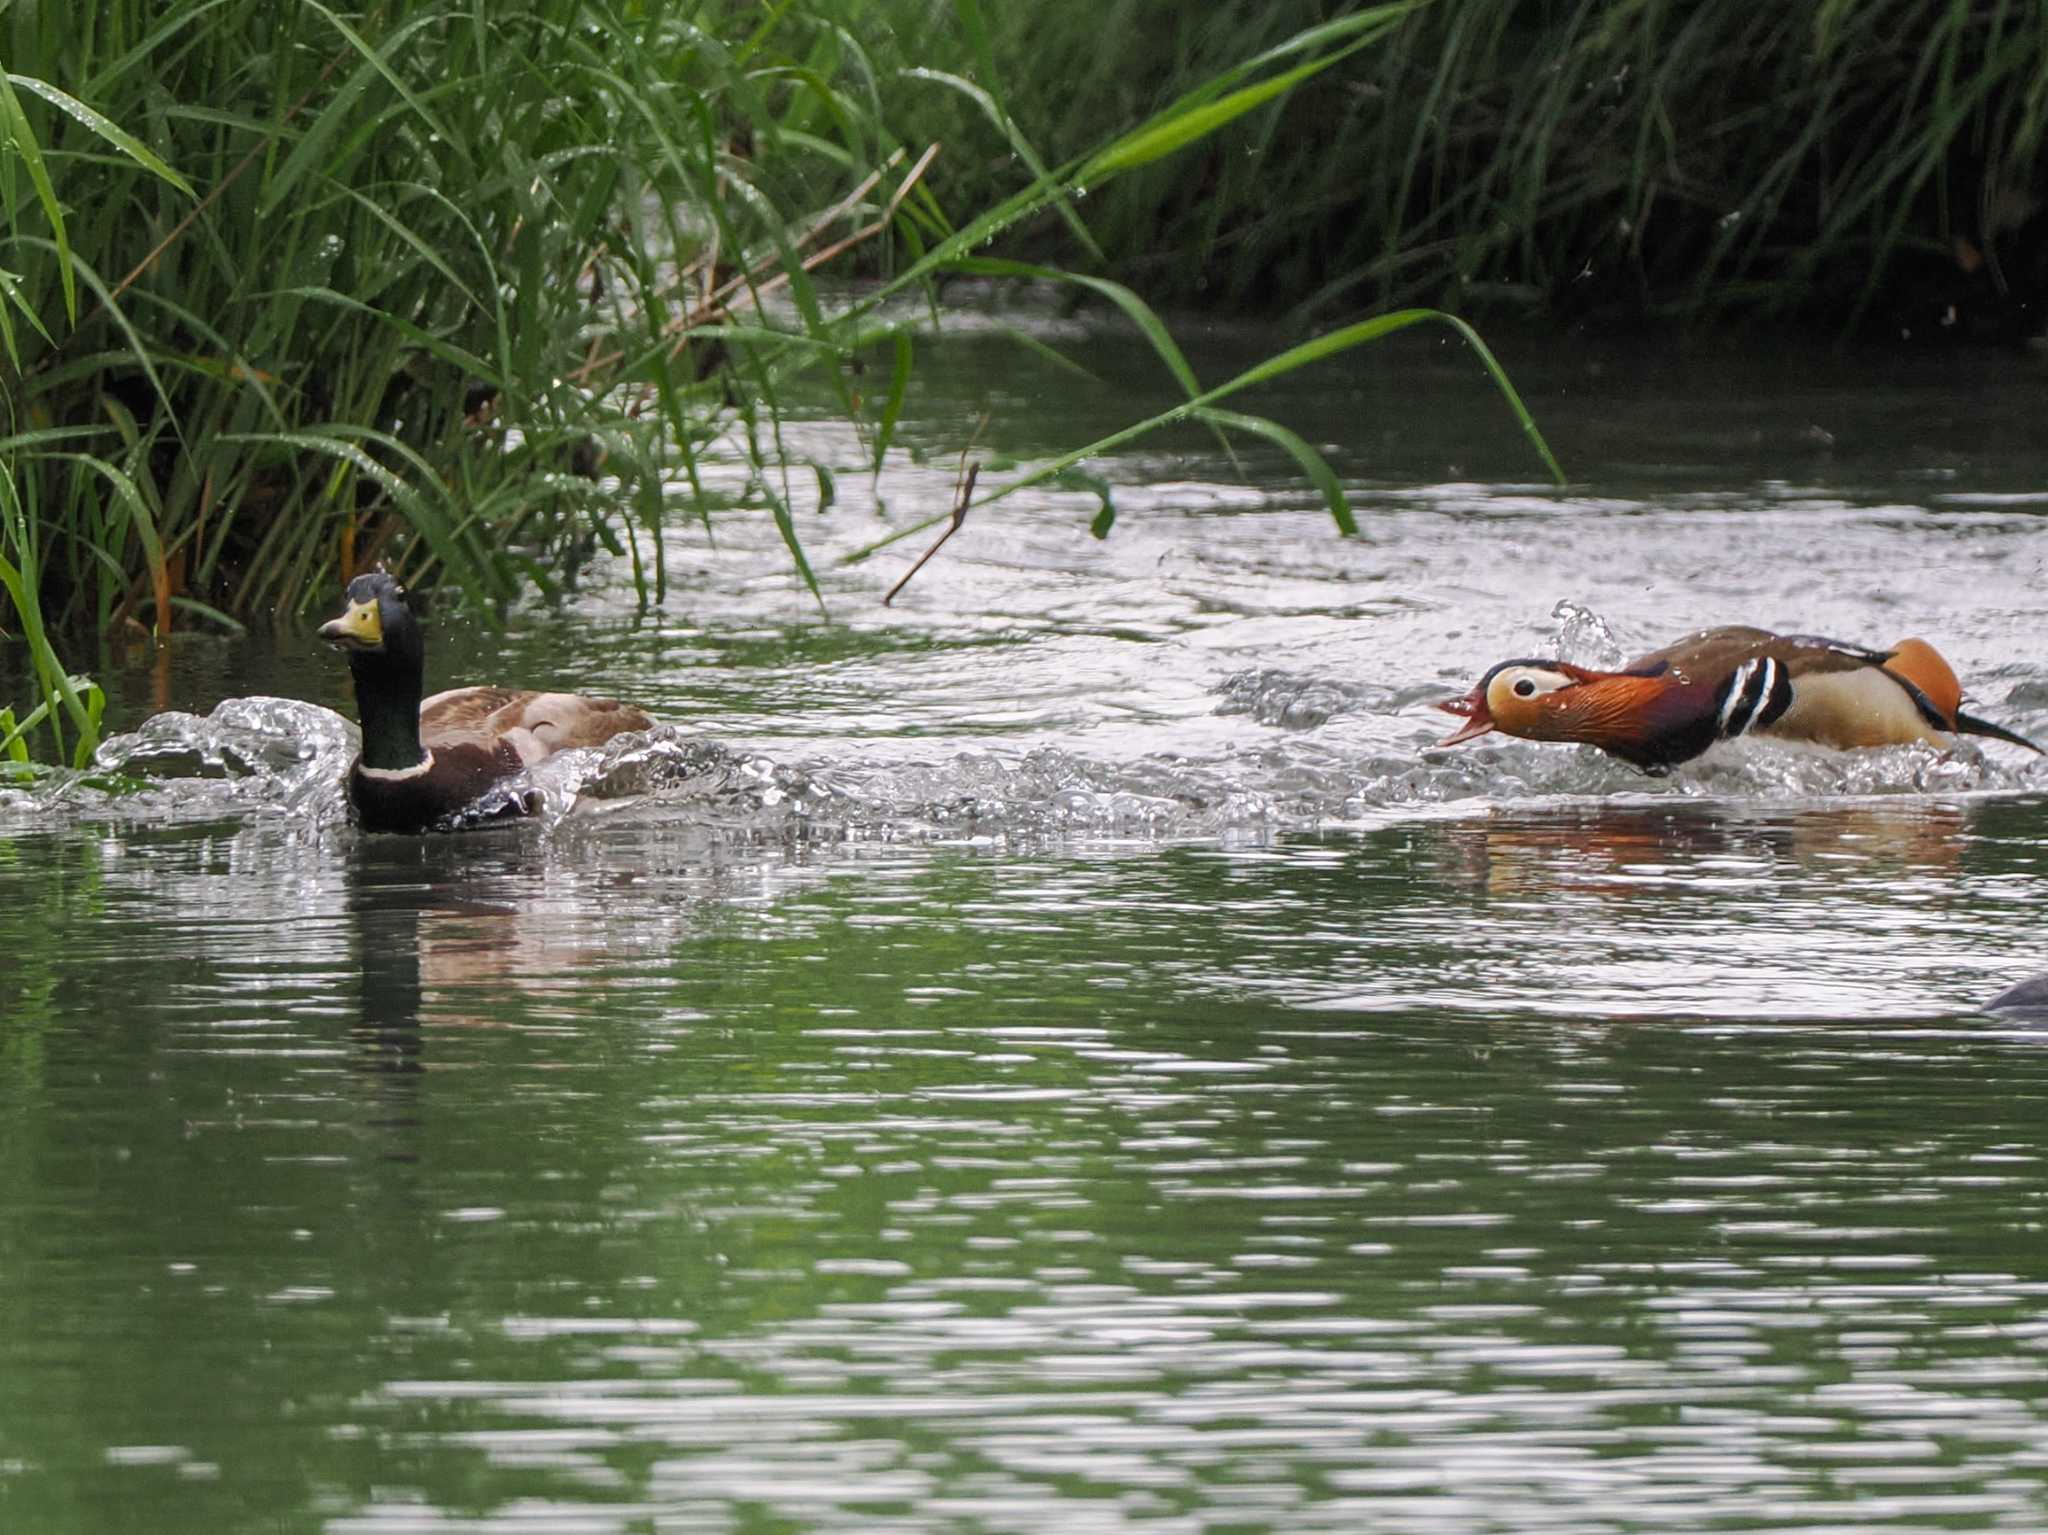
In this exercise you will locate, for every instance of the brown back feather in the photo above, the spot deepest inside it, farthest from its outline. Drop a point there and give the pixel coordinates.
(486, 716)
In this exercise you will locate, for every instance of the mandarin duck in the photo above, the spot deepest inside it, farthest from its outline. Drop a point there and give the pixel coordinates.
(423, 761)
(1674, 703)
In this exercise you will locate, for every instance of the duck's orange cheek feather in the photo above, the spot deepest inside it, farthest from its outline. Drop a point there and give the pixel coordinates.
(1615, 709)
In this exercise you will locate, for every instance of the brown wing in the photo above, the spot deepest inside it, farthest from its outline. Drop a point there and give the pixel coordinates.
(462, 714)
(1712, 655)
(532, 725)
(1708, 655)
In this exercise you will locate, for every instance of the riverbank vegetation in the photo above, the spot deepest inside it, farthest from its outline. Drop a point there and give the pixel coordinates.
(461, 292)
(1872, 166)
(286, 291)
(467, 292)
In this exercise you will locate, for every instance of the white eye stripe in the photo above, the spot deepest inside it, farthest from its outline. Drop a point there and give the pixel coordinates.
(1536, 681)
(1523, 684)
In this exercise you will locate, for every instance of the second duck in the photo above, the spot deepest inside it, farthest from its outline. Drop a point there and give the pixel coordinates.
(424, 761)
(1672, 704)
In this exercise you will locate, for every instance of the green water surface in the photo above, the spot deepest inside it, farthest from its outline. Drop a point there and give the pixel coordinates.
(1141, 1100)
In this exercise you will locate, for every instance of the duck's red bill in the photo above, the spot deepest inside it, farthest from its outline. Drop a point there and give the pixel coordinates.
(1479, 719)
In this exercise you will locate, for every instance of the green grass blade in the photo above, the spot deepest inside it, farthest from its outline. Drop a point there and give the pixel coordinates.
(1365, 26)
(112, 132)
(1053, 186)
(892, 407)
(1135, 309)
(786, 526)
(1296, 357)
(131, 501)
(1158, 139)
(1308, 352)
(1312, 463)
(22, 140)
(14, 734)
(56, 681)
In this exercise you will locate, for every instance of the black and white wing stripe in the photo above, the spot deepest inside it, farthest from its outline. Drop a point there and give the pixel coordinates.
(1757, 693)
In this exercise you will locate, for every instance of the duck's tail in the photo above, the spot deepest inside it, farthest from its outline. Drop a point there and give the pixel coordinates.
(1970, 725)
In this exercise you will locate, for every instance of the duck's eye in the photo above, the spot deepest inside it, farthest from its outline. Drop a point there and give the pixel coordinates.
(1525, 689)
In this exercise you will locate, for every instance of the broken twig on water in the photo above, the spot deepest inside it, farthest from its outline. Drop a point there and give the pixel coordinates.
(966, 494)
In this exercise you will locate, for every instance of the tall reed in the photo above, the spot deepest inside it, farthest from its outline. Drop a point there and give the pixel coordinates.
(469, 290)
(1835, 159)
(460, 289)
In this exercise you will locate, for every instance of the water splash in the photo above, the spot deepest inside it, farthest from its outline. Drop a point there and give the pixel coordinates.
(250, 757)
(1050, 793)
(1282, 698)
(1585, 638)
(278, 738)
(1305, 750)
(665, 775)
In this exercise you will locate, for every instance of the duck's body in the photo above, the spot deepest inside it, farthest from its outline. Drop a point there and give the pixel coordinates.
(424, 761)
(1672, 704)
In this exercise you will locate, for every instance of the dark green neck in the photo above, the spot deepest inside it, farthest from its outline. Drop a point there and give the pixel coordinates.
(388, 700)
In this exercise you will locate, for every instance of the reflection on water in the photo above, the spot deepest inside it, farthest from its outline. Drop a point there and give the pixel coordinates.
(1461, 1174)
(1064, 1054)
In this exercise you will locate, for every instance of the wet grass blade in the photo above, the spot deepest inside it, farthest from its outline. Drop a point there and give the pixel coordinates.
(21, 140)
(130, 499)
(59, 686)
(1054, 187)
(1179, 129)
(1312, 463)
(102, 128)
(892, 405)
(1308, 352)
(786, 526)
(1135, 309)
(1361, 334)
